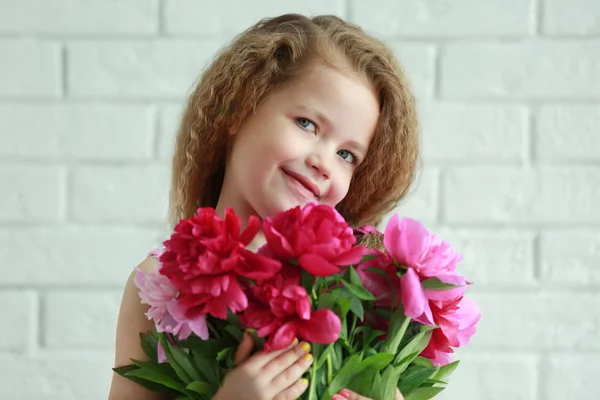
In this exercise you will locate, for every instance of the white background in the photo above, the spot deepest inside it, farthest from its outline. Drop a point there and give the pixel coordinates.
(509, 91)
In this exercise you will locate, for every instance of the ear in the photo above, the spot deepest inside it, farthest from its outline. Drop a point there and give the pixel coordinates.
(234, 128)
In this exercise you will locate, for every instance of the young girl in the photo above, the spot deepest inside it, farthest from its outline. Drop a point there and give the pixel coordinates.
(294, 110)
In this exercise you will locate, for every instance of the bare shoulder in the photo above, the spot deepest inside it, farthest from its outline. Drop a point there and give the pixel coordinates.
(131, 321)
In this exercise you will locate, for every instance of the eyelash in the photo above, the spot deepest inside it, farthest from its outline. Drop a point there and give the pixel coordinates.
(354, 156)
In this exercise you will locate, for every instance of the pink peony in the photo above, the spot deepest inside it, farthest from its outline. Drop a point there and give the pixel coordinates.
(456, 319)
(281, 310)
(204, 259)
(425, 256)
(382, 287)
(315, 235)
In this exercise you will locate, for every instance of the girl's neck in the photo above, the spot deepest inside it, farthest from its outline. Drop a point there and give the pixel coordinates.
(243, 212)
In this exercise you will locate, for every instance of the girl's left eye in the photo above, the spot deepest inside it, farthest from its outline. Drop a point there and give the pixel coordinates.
(306, 124)
(347, 156)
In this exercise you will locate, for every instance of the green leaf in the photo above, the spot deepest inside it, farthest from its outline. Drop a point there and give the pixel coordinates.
(416, 345)
(415, 378)
(398, 325)
(147, 371)
(202, 388)
(358, 291)
(235, 332)
(424, 393)
(389, 383)
(377, 362)
(354, 278)
(149, 344)
(224, 354)
(423, 362)
(307, 281)
(446, 370)
(204, 354)
(357, 308)
(436, 284)
(345, 374)
(369, 257)
(179, 360)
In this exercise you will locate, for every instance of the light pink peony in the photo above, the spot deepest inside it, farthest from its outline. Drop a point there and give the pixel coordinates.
(157, 291)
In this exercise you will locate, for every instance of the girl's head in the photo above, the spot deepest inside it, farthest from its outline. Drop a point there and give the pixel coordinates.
(298, 109)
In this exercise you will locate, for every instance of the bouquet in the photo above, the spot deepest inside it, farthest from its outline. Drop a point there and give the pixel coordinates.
(381, 310)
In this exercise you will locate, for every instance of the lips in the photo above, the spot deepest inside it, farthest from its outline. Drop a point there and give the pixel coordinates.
(304, 181)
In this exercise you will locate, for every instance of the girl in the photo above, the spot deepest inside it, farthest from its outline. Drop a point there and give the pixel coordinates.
(294, 110)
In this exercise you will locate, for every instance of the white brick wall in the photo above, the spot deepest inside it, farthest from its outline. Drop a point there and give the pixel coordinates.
(509, 97)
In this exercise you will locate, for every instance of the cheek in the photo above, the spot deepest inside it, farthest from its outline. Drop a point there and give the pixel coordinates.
(339, 188)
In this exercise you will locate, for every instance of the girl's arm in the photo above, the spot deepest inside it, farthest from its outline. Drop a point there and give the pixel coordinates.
(132, 320)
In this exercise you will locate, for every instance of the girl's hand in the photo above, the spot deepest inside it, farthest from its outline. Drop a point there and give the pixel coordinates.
(346, 394)
(267, 376)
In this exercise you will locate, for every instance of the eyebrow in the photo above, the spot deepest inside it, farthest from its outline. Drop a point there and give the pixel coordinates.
(322, 119)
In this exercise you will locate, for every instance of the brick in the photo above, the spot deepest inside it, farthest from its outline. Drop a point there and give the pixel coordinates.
(571, 376)
(456, 18)
(582, 141)
(20, 317)
(494, 258)
(521, 196)
(136, 69)
(422, 201)
(418, 62)
(120, 194)
(88, 132)
(533, 69)
(85, 375)
(169, 118)
(554, 322)
(96, 315)
(570, 257)
(75, 17)
(578, 17)
(453, 132)
(215, 18)
(30, 69)
(72, 256)
(477, 377)
(31, 193)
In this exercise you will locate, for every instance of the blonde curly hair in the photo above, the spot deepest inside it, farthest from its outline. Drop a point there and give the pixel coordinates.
(259, 61)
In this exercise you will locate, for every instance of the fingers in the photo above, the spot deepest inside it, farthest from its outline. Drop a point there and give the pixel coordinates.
(289, 366)
(260, 359)
(398, 395)
(244, 349)
(346, 394)
(294, 391)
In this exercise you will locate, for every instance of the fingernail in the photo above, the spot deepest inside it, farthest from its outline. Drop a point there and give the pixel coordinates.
(305, 381)
(345, 393)
(305, 346)
(295, 342)
(308, 357)
(336, 397)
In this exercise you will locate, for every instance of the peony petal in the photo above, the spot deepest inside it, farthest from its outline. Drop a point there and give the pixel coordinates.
(323, 327)
(256, 266)
(162, 357)
(352, 256)
(413, 298)
(282, 338)
(251, 230)
(199, 327)
(447, 294)
(317, 265)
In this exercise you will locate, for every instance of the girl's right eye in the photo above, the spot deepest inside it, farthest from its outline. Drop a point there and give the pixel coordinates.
(306, 124)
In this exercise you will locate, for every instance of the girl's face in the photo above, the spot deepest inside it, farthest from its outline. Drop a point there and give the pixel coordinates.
(302, 144)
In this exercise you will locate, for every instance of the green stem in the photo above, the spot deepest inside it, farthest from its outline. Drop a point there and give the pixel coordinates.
(329, 369)
(213, 330)
(312, 376)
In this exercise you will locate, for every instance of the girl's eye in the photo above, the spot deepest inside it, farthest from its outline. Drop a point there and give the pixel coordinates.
(306, 124)
(347, 156)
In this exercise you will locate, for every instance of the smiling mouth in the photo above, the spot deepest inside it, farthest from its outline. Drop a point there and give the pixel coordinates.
(303, 185)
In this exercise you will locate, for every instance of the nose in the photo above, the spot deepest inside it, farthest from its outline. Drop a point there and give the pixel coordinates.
(320, 164)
